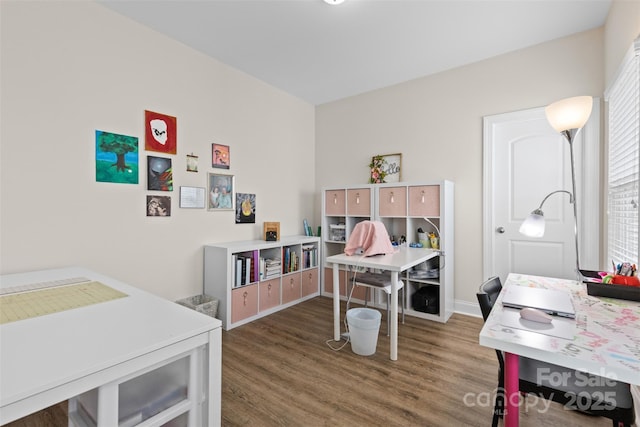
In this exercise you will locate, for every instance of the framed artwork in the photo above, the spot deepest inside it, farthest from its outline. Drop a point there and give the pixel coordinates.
(192, 163)
(192, 197)
(160, 132)
(245, 208)
(158, 206)
(220, 157)
(116, 158)
(221, 192)
(159, 174)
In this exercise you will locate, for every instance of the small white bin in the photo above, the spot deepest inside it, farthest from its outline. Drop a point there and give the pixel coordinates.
(364, 326)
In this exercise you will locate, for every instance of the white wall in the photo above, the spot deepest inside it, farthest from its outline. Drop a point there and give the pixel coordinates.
(436, 123)
(621, 29)
(69, 68)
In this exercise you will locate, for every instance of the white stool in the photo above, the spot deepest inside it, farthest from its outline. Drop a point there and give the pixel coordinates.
(380, 281)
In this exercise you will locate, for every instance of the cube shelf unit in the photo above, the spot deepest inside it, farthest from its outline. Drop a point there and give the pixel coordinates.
(254, 278)
(403, 207)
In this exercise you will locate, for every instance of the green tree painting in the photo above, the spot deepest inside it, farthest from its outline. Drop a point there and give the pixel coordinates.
(116, 158)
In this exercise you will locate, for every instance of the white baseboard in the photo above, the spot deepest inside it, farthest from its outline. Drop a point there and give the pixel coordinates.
(467, 308)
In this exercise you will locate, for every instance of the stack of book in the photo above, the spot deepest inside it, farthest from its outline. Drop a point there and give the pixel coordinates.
(269, 268)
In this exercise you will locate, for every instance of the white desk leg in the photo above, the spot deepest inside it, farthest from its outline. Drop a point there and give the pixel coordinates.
(195, 390)
(336, 302)
(394, 315)
(108, 405)
(214, 383)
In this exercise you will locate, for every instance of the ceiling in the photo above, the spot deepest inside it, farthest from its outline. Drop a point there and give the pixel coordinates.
(321, 53)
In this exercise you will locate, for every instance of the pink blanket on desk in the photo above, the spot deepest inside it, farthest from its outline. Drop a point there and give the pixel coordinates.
(372, 237)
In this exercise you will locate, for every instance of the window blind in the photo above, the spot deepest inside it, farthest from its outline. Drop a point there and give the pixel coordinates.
(624, 160)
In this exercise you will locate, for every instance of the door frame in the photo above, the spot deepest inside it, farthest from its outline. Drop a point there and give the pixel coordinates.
(587, 148)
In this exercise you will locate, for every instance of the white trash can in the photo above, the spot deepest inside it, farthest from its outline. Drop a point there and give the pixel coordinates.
(364, 326)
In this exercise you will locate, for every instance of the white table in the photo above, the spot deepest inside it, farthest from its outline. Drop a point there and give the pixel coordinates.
(397, 262)
(48, 359)
(606, 341)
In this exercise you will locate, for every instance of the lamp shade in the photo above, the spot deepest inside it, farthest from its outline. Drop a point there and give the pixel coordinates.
(569, 113)
(533, 225)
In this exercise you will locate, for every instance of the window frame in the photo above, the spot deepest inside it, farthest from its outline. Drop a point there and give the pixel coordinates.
(623, 166)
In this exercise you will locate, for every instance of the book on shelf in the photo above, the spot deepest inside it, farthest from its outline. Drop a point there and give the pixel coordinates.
(255, 274)
(246, 267)
(286, 254)
(247, 270)
(238, 270)
(262, 268)
(307, 229)
(291, 260)
(309, 256)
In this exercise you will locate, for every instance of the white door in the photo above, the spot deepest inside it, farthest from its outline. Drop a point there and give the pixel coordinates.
(525, 160)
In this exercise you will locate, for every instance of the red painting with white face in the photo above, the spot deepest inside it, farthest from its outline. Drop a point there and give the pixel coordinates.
(160, 132)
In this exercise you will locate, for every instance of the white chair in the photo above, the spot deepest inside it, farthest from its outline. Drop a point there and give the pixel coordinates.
(381, 281)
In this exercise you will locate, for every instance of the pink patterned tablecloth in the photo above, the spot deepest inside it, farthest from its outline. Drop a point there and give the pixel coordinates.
(607, 330)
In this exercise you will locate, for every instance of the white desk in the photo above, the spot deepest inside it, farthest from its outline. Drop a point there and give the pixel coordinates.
(402, 260)
(48, 359)
(606, 342)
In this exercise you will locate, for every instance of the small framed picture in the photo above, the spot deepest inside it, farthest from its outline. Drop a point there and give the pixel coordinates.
(159, 174)
(192, 163)
(245, 208)
(220, 157)
(221, 192)
(160, 132)
(158, 206)
(271, 231)
(192, 197)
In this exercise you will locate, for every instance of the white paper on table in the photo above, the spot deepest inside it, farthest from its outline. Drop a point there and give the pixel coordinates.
(561, 327)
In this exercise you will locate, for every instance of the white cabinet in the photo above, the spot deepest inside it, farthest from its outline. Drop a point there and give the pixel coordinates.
(158, 396)
(255, 278)
(134, 360)
(403, 207)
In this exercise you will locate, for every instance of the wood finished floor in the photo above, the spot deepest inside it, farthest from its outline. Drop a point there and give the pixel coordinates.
(278, 371)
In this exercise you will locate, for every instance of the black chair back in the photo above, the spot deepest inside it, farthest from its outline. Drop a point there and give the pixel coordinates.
(487, 295)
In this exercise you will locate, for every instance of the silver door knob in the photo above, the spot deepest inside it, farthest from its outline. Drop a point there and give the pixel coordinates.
(500, 230)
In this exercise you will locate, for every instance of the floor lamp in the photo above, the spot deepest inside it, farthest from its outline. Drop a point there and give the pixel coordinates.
(567, 117)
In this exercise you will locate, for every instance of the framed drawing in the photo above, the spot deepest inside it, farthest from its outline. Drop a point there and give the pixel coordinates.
(192, 163)
(392, 167)
(160, 132)
(192, 197)
(159, 174)
(158, 206)
(116, 158)
(245, 208)
(221, 192)
(220, 157)
(271, 231)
